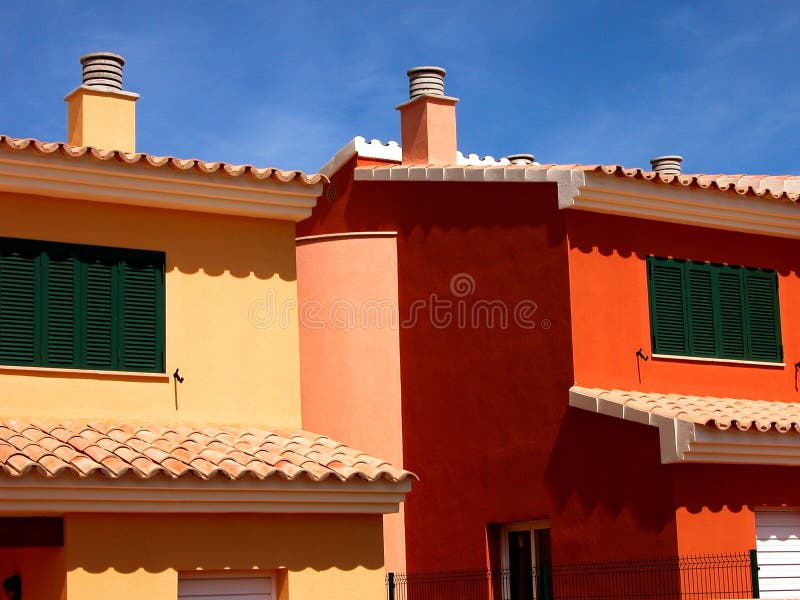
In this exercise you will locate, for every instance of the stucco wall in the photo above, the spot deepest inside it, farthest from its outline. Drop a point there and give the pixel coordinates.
(227, 281)
(610, 310)
(43, 570)
(349, 340)
(112, 557)
(713, 504)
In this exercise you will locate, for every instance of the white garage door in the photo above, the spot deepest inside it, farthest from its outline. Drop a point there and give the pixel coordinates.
(225, 588)
(778, 545)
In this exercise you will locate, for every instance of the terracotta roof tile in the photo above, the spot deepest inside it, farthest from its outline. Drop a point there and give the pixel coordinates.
(180, 164)
(720, 413)
(114, 450)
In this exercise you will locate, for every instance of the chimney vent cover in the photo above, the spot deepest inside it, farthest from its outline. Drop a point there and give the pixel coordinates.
(521, 159)
(668, 165)
(102, 70)
(424, 81)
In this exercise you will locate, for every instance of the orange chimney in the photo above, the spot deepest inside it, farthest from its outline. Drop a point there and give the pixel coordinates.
(99, 113)
(428, 119)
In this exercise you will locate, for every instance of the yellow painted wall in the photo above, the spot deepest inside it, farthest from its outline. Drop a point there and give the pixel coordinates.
(101, 119)
(331, 557)
(218, 267)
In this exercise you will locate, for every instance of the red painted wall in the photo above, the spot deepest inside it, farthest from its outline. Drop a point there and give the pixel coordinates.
(485, 410)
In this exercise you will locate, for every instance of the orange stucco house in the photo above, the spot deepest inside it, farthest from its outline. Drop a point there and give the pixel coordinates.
(151, 435)
(583, 363)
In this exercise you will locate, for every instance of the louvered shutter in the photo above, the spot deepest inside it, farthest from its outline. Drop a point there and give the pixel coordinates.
(100, 313)
(666, 288)
(19, 329)
(141, 295)
(61, 330)
(700, 310)
(763, 315)
(731, 313)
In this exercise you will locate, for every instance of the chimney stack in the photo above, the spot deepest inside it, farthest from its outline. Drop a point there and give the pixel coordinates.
(99, 112)
(428, 119)
(668, 165)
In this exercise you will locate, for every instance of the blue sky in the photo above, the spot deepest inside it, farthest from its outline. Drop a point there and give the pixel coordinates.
(287, 84)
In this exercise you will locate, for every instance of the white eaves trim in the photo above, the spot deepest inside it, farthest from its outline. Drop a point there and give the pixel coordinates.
(33, 494)
(359, 146)
(579, 189)
(568, 180)
(139, 185)
(677, 204)
(687, 442)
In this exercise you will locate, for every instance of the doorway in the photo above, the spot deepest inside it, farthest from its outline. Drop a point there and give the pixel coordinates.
(526, 561)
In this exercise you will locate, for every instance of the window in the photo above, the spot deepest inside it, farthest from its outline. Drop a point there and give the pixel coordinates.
(81, 307)
(209, 586)
(712, 310)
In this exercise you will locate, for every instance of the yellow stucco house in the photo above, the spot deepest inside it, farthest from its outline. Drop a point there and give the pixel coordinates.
(151, 443)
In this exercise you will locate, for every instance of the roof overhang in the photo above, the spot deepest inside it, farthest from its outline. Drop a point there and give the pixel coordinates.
(689, 200)
(157, 183)
(683, 441)
(37, 495)
(718, 209)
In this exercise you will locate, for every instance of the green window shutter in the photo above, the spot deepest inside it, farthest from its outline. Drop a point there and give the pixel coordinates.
(60, 343)
(19, 289)
(100, 313)
(700, 310)
(666, 289)
(761, 294)
(142, 296)
(731, 313)
(85, 307)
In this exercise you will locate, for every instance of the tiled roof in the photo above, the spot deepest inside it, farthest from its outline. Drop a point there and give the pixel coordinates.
(114, 450)
(775, 186)
(179, 164)
(720, 413)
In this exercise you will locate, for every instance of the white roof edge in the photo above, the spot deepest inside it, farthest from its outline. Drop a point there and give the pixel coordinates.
(568, 180)
(392, 151)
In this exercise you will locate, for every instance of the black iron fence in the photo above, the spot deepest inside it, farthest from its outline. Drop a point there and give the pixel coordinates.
(716, 576)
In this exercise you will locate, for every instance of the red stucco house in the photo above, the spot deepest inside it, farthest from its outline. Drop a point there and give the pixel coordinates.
(581, 362)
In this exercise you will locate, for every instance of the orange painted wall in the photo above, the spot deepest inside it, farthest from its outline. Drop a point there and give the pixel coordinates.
(349, 339)
(610, 318)
(334, 556)
(239, 365)
(43, 571)
(714, 504)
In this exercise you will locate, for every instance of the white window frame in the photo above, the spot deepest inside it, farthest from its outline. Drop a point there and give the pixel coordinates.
(507, 528)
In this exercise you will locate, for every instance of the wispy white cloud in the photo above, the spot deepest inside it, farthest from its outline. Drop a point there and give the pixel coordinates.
(576, 82)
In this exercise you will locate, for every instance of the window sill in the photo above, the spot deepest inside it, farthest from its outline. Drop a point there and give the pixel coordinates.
(726, 361)
(84, 373)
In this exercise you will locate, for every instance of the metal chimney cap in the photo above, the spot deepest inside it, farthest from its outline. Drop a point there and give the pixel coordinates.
(521, 159)
(102, 70)
(109, 55)
(669, 164)
(427, 80)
